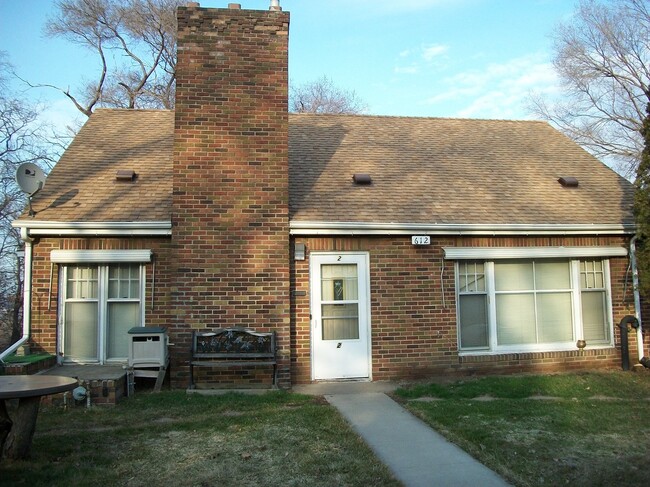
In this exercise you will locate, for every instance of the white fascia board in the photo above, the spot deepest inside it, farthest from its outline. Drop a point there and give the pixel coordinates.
(356, 228)
(95, 229)
(99, 256)
(493, 253)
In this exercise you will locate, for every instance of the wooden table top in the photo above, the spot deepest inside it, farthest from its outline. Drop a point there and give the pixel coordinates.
(17, 386)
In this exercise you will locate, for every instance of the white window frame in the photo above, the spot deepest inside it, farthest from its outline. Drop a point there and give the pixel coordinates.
(101, 260)
(493, 348)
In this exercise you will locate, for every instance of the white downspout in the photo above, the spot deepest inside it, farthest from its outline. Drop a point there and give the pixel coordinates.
(637, 298)
(27, 294)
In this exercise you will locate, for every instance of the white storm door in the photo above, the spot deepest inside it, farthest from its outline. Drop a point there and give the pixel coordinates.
(340, 315)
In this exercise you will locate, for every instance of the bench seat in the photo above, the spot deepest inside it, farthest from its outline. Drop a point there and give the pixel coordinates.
(233, 347)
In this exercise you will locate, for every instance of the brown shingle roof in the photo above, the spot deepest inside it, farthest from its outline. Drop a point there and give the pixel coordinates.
(447, 171)
(424, 170)
(82, 186)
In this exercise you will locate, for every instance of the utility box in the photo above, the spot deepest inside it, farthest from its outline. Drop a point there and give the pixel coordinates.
(148, 347)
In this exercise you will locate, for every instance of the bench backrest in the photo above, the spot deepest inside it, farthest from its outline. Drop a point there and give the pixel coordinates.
(233, 342)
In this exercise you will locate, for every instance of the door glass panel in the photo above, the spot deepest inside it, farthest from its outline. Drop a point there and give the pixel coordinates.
(339, 282)
(340, 321)
(340, 306)
(81, 331)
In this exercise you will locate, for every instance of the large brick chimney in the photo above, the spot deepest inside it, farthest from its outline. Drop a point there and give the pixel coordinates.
(230, 182)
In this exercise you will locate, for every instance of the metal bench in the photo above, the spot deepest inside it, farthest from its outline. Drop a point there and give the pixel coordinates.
(233, 347)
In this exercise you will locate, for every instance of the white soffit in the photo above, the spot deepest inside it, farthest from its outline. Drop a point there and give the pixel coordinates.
(99, 256)
(362, 228)
(88, 229)
(489, 253)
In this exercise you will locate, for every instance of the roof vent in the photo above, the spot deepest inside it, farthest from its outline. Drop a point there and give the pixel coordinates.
(362, 179)
(568, 181)
(125, 175)
(275, 5)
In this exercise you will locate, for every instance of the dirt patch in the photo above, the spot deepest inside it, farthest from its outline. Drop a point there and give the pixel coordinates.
(232, 414)
(545, 398)
(320, 401)
(599, 397)
(164, 420)
(484, 398)
(427, 399)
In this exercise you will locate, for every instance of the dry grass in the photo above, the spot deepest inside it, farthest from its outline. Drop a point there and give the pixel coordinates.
(574, 429)
(189, 440)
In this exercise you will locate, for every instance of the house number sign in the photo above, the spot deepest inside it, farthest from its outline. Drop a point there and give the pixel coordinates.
(421, 240)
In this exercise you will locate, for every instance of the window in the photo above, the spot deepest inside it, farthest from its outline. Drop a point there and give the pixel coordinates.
(593, 295)
(472, 298)
(532, 305)
(100, 303)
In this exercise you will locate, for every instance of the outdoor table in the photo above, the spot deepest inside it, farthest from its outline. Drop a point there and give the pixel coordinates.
(17, 430)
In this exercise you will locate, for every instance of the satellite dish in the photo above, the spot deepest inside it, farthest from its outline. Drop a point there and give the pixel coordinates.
(30, 178)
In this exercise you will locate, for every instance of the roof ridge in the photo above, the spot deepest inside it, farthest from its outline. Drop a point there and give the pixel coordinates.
(409, 117)
(134, 110)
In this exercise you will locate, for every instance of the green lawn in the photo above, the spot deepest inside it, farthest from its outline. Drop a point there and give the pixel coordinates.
(177, 439)
(586, 429)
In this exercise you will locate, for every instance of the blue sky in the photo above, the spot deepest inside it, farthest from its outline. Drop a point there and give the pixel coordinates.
(434, 58)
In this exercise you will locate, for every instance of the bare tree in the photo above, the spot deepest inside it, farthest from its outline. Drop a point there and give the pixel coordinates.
(322, 96)
(602, 57)
(22, 139)
(135, 43)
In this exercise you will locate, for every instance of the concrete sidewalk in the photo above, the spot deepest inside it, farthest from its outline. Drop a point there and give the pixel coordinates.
(417, 455)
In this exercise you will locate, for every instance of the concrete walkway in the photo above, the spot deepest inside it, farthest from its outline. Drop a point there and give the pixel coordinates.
(416, 455)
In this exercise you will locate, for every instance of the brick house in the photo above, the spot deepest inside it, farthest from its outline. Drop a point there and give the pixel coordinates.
(375, 247)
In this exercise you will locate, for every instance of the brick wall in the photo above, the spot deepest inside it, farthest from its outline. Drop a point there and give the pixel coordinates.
(413, 309)
(230, 177)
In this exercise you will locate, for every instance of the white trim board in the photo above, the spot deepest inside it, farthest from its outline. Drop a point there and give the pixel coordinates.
(87, 229)
(364, 228)
(489, 253)
(99, 256)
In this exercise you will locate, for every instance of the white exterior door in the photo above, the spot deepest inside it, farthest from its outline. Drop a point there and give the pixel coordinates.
(340, 308)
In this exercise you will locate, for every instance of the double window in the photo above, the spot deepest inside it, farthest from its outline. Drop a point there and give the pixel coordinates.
(100, 303)
(533, 305)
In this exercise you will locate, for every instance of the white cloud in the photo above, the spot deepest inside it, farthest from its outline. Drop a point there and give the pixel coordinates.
(499, 90)
(422, 56)
(433, 50)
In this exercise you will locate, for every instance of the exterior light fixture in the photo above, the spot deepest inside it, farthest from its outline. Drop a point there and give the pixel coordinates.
(299, 251)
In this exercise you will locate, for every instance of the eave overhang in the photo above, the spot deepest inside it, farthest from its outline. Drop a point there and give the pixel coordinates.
(363, 228)
(95, 229)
